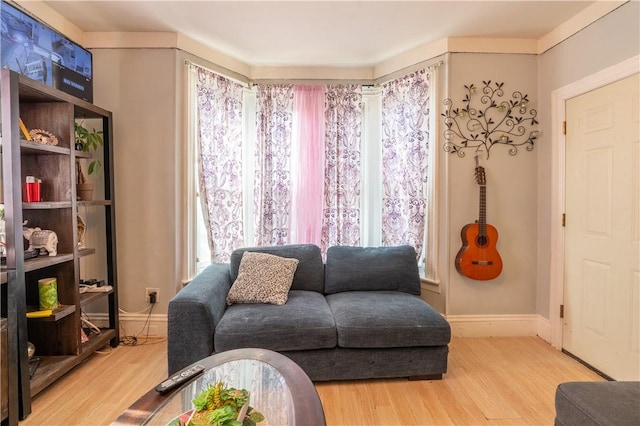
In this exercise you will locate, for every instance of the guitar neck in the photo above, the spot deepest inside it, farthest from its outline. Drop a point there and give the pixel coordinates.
(482, 216)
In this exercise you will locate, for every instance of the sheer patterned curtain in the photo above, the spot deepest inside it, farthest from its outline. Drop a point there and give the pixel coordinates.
(272, 191)
(405, 136)
(308, 169)
(342, 175)
(219, 112)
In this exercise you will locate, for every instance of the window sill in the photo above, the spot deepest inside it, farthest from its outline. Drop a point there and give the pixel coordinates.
(429, 284)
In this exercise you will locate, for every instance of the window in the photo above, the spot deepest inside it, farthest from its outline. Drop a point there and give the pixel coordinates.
(385, 125)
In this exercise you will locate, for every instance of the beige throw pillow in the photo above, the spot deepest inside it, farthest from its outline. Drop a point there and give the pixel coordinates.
(262, 278)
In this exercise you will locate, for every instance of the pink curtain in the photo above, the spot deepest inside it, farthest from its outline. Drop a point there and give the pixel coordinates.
(308, 167)
(219, 109)
(405, 136)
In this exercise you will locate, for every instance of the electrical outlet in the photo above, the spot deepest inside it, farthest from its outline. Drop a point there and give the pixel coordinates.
(150, 290)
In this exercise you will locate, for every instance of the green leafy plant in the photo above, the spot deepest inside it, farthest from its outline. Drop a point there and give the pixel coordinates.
(88, 141)
(220, 406)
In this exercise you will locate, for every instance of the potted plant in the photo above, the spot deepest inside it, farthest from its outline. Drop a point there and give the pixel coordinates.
(86, 141)
(221, 406)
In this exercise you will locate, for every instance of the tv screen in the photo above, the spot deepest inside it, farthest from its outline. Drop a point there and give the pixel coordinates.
(35, 50)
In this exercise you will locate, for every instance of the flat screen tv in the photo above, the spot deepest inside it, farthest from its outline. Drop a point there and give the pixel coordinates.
(37, 51)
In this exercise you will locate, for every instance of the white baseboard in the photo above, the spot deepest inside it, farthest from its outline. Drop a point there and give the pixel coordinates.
(499, 326)
(544, 328)
(461, 325)
(135, 324)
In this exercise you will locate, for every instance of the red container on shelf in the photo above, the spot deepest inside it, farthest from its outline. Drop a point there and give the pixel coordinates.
(32, 190)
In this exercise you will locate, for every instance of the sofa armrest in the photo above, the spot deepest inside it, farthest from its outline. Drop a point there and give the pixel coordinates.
(194, 314)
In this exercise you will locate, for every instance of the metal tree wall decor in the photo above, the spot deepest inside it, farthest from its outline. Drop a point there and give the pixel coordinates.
(491, 122)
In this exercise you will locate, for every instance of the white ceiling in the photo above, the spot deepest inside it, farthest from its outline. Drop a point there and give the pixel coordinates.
(320, 33)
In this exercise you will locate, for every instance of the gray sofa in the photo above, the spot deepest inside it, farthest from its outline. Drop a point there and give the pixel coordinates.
(357, 317)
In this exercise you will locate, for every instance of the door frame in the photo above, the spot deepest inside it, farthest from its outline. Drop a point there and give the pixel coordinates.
(558, 98)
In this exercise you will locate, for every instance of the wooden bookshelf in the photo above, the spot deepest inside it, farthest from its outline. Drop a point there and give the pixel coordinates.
(57, 337)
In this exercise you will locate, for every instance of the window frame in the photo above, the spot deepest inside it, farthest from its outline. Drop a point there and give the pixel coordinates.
(195, 259)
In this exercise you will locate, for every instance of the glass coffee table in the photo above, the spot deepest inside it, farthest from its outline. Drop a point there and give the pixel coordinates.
(279, 389)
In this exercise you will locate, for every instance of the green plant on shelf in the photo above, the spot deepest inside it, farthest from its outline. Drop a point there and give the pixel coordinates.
(87, 141)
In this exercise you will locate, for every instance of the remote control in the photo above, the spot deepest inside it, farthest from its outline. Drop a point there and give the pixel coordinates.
(180, 378)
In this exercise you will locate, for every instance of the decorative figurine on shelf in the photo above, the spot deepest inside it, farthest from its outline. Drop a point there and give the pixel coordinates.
(43, 137)
(41, 239)
(82, 229)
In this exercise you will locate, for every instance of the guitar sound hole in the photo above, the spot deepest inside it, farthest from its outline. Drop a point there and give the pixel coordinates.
(482, 240)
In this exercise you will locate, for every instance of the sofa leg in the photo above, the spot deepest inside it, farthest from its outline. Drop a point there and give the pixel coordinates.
(427, 377)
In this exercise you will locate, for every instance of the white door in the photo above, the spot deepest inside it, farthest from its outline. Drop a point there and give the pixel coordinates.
(602, 234)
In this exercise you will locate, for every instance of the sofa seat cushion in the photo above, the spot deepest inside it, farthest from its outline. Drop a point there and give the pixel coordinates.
(386, 319)
(597, 403)
(304, 322)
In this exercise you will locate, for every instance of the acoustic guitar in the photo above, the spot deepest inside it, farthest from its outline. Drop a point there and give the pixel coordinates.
(478, 258)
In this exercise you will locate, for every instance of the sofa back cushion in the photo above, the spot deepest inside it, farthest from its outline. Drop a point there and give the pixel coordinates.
(309, 274)
(372, 269)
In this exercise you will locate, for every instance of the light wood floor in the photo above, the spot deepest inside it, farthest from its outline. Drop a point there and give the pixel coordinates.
(491, 381)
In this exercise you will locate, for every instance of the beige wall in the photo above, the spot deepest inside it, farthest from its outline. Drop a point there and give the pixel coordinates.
(511, 195)
(139, 86)
(144, 89)
(606, 42)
